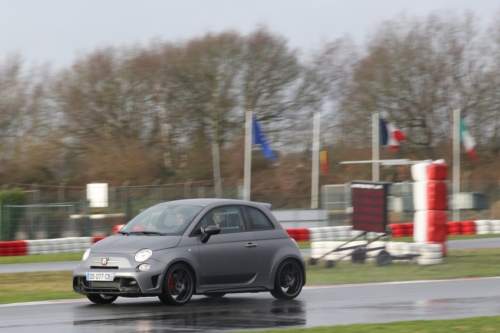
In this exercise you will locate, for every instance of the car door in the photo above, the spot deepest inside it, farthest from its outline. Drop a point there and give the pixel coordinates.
(270, 240)
(231, 257)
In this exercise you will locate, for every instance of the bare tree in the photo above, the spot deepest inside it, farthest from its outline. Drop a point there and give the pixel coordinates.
(413, 71)
(14, 91)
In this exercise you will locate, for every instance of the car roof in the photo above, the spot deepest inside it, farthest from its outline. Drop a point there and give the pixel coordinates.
(211, 201)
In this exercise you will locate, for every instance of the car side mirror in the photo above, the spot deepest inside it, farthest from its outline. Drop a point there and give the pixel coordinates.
(209, 231)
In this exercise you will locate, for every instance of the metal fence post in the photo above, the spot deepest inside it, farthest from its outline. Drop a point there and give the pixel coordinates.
(8, 213)
(128, 206)
(88, 226)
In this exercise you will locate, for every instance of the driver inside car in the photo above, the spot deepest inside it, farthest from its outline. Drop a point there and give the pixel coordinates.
(181, 221)
(220, 220)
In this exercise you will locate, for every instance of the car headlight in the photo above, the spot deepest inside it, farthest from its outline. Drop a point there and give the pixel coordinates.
(143, 255)
(86, 254)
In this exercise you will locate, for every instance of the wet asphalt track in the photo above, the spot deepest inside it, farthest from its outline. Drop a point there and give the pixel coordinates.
(370, 303)
(335, 305)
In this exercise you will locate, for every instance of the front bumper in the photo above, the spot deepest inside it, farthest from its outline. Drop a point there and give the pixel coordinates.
(120, 286)
(128, 280)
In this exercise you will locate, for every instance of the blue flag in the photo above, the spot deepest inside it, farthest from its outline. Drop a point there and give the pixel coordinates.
(384, 133)
(259, 138)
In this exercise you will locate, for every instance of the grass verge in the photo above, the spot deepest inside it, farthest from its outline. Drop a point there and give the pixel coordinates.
(34, 258)
(304, 245)
(476, 324)
(452, 237)
(37, 286)
(458, 264)
(307, 245)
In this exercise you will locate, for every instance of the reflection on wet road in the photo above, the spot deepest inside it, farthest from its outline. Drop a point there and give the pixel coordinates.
(334, 305)
(201, 316)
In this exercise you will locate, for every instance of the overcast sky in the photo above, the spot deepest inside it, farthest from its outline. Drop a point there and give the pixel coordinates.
(57, 30)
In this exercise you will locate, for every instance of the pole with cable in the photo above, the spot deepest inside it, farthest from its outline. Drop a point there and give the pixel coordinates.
(248, 156)
(315, 162)
(375, 147)
(456, 163)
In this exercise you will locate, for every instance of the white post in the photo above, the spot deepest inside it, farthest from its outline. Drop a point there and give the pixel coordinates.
(315, 161)
(456, 163)
(216, 167)
(248, 156)
(375, 146)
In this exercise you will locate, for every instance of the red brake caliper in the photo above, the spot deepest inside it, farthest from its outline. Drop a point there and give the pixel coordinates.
(171, 284)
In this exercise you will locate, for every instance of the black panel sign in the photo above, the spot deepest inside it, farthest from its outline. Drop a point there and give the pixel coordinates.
(369, 205)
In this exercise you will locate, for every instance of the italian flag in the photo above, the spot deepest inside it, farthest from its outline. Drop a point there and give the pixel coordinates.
(467, 140)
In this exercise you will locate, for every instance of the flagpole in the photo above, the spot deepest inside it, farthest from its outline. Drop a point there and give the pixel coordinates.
(216, 167)
(375, 146)
(315, 162)
(456, 163)
(248, 155)
(216, 160)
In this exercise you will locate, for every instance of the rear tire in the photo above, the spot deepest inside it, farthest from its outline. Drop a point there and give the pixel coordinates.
(178, 286)
(288, 280)
(101, 299)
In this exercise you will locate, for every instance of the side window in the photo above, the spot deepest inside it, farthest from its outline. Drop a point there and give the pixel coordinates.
(229, 219)
(259, 221)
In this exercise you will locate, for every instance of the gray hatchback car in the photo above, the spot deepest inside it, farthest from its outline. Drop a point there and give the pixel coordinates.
(193, 247)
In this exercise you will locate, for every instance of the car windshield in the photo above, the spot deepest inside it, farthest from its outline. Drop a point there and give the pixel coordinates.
(162, 220)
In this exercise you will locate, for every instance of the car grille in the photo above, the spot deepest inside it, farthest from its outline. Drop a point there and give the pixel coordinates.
(104, 267)
(104, 284)
(118, 286)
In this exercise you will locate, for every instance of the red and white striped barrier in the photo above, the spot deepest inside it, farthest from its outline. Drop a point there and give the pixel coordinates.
(328, 234)
(47, 246)
(430, 202)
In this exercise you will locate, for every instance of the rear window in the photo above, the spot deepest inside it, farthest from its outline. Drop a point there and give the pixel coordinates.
(259, 220)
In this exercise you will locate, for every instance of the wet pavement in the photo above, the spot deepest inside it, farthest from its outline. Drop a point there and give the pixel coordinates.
(38, 267)
(331, 305)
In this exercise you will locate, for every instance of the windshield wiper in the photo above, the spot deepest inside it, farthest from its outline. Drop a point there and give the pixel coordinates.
(123, 233)
(147, 232)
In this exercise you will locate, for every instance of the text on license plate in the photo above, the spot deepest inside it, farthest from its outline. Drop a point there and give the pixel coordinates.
(100, 276)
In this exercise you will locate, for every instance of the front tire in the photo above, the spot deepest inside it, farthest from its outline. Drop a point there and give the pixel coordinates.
(288, 280)
(101, 299)
(178, 286)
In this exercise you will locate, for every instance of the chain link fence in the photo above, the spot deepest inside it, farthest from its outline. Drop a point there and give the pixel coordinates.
(53, 212)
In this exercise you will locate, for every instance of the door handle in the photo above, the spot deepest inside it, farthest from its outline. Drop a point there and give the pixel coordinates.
(250, 245)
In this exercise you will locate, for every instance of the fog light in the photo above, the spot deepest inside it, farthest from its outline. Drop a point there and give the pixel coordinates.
(144, 267)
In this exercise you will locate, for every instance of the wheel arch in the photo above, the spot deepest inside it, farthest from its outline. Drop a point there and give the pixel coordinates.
(280, 260)
(183, 262)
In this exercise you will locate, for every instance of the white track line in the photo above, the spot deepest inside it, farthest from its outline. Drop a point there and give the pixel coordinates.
(78, 300)
(397, 282)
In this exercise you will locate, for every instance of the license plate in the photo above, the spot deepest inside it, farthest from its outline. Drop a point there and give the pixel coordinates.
(100, 276)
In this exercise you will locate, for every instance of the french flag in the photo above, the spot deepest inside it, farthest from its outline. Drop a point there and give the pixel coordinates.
(390, 135)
